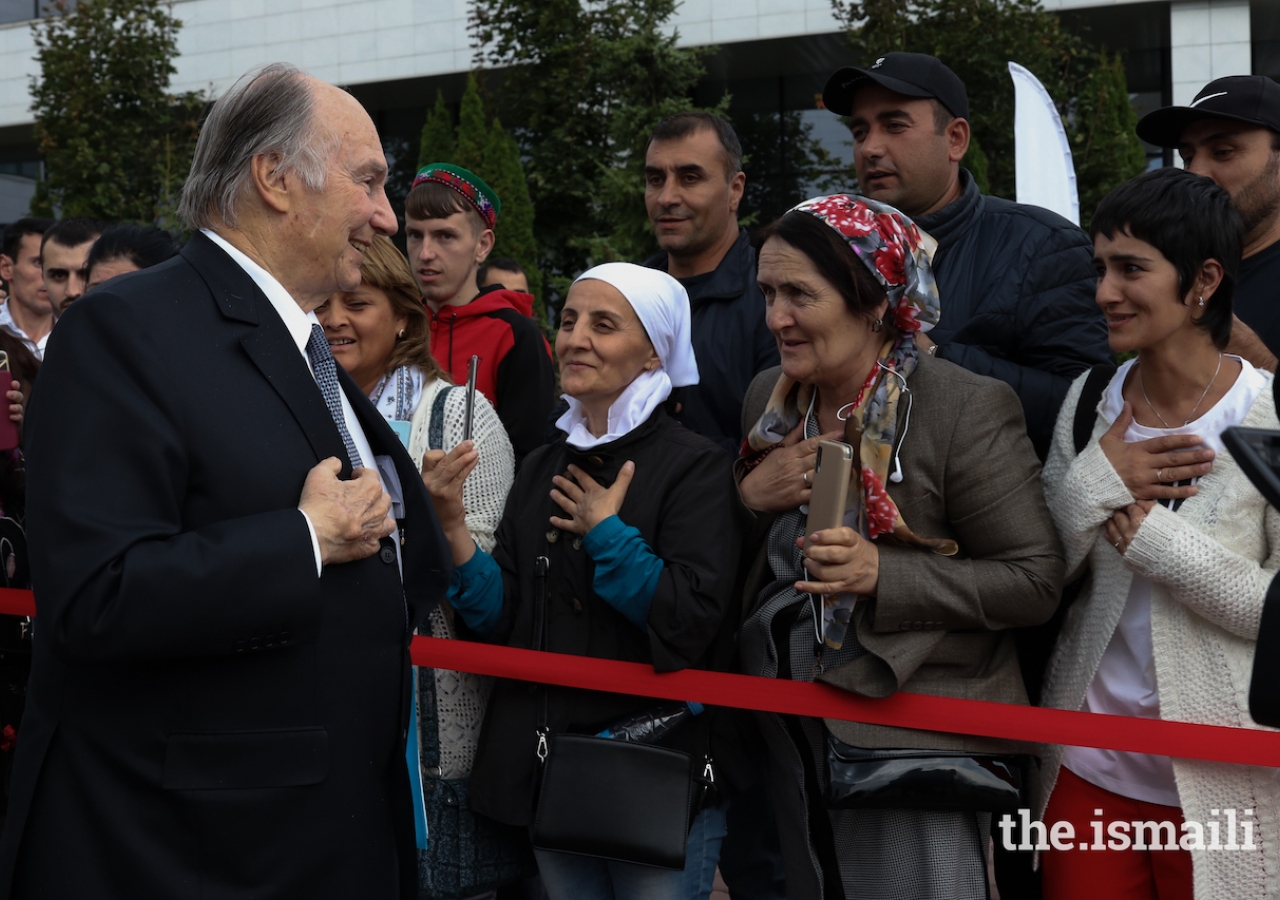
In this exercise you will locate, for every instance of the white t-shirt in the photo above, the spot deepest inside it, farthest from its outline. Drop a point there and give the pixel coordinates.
(1125, 683)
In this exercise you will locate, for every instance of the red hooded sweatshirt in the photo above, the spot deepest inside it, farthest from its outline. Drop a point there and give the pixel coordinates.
(515, 370)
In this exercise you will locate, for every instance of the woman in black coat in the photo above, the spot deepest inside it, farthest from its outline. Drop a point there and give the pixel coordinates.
(636, 516)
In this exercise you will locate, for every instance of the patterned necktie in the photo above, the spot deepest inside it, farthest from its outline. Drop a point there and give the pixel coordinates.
(327, 377)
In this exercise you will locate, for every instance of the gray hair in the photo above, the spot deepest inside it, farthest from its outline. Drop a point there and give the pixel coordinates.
(270, 110)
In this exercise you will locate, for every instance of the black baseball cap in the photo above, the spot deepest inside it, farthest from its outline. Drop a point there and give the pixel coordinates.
(1244, 98)
(909, 74)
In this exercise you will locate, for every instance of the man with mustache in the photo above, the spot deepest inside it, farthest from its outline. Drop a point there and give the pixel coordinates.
(1016, 281)
(1231, 133)
(693, 186)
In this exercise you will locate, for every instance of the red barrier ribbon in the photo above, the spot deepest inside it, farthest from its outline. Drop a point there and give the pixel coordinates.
(947, 714)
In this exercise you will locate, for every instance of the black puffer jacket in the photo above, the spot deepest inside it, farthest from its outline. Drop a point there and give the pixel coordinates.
(1017, 290)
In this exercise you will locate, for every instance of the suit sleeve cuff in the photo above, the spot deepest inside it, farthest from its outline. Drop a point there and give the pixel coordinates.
(315, 542)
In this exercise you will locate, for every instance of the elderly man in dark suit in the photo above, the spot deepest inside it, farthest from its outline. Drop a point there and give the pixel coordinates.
(230, 548)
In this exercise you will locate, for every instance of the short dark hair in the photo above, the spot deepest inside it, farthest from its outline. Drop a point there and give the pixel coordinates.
(941, 116)
(433, 200)
(73, 232)
(834, 259)
(1190, 220)
(502, 264)
(686, 123)
(13, 234)
(143, 245)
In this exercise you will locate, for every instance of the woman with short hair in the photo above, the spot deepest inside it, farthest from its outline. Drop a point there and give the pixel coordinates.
(1180, 548)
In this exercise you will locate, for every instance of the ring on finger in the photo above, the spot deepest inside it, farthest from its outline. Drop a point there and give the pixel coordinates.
(1118, 543)
(804, 476)
(1160, 476)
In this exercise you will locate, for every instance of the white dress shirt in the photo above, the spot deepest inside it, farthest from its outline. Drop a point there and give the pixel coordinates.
(7, 323)
(299, 325)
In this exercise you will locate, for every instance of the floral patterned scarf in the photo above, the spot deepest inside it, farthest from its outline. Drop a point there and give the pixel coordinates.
(898, 255)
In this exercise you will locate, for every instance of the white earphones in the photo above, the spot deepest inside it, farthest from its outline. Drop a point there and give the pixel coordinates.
(896, 477)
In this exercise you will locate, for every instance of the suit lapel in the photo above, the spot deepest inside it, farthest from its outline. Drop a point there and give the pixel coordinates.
(270, 346)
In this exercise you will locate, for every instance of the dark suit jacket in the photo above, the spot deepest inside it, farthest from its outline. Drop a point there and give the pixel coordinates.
(206, 717)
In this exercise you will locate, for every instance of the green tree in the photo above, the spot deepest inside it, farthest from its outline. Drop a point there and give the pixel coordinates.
(1101, 129)
(584, 83)
(437, 135)
(485, 148)
(472, 142)
(977, 38)
(116, 144)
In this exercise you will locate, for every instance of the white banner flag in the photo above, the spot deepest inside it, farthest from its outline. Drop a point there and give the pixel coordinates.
(1046, 176)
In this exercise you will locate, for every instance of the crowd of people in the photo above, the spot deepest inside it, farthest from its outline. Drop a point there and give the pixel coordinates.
(221, 701)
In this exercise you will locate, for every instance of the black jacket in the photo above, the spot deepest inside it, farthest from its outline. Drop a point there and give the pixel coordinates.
(683, 501)
(1017, 289)
(731, 341)
(206, 718)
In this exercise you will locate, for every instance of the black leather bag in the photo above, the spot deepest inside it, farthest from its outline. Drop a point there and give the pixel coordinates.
(609, 799)
(922, 779)
(615, 800)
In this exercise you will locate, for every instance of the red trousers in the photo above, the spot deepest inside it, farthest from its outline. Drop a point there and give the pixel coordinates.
(1109, 874)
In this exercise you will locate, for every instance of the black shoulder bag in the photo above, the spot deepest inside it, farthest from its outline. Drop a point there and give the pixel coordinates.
(605, 798)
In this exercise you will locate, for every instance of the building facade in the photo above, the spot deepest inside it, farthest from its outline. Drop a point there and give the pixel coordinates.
(773, 56)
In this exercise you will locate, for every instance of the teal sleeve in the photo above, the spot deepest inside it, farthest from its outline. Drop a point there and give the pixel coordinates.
(475, 592)
(627, 571)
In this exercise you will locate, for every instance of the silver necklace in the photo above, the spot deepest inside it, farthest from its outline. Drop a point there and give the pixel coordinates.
(1187, 421)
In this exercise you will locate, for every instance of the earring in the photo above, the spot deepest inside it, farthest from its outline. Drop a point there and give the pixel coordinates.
(877, 324)
(400, 333)
(1202, 301)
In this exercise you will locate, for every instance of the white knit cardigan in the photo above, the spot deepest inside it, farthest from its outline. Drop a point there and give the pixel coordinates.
(1210, 563)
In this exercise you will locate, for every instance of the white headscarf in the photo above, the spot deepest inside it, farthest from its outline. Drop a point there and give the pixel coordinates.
(662, 305)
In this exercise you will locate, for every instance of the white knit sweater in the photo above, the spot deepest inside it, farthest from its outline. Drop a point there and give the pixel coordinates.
(1210, 563)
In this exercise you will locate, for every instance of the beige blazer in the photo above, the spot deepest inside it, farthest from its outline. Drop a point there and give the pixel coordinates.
(940, 625)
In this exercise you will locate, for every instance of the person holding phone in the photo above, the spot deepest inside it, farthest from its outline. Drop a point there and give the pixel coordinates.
(946, 544)
(379, 334)
(637, 518)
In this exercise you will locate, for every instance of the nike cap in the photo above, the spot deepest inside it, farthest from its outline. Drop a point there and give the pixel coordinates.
(1243, 98)
(909, 74)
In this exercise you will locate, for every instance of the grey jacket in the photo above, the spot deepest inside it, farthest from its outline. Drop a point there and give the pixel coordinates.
(940, 625)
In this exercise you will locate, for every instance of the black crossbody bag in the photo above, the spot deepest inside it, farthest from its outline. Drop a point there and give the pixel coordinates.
(605, 798)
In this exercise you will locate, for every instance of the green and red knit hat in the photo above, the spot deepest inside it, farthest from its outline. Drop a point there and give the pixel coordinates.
(468, 184)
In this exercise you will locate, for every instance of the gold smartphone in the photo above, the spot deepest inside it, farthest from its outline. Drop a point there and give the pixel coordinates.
(830, 486)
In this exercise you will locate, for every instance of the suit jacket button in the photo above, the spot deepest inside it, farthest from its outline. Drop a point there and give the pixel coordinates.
(388, 554)
(283, 638)
(255, 643)
(904, 626)
(241, 646)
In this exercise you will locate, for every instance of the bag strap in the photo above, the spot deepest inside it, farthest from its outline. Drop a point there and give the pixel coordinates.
(1087, 407)
(540, 566)
(435, 429)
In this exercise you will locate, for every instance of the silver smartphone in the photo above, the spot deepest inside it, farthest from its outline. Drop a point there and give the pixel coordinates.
(473, 366)
(830, 486)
